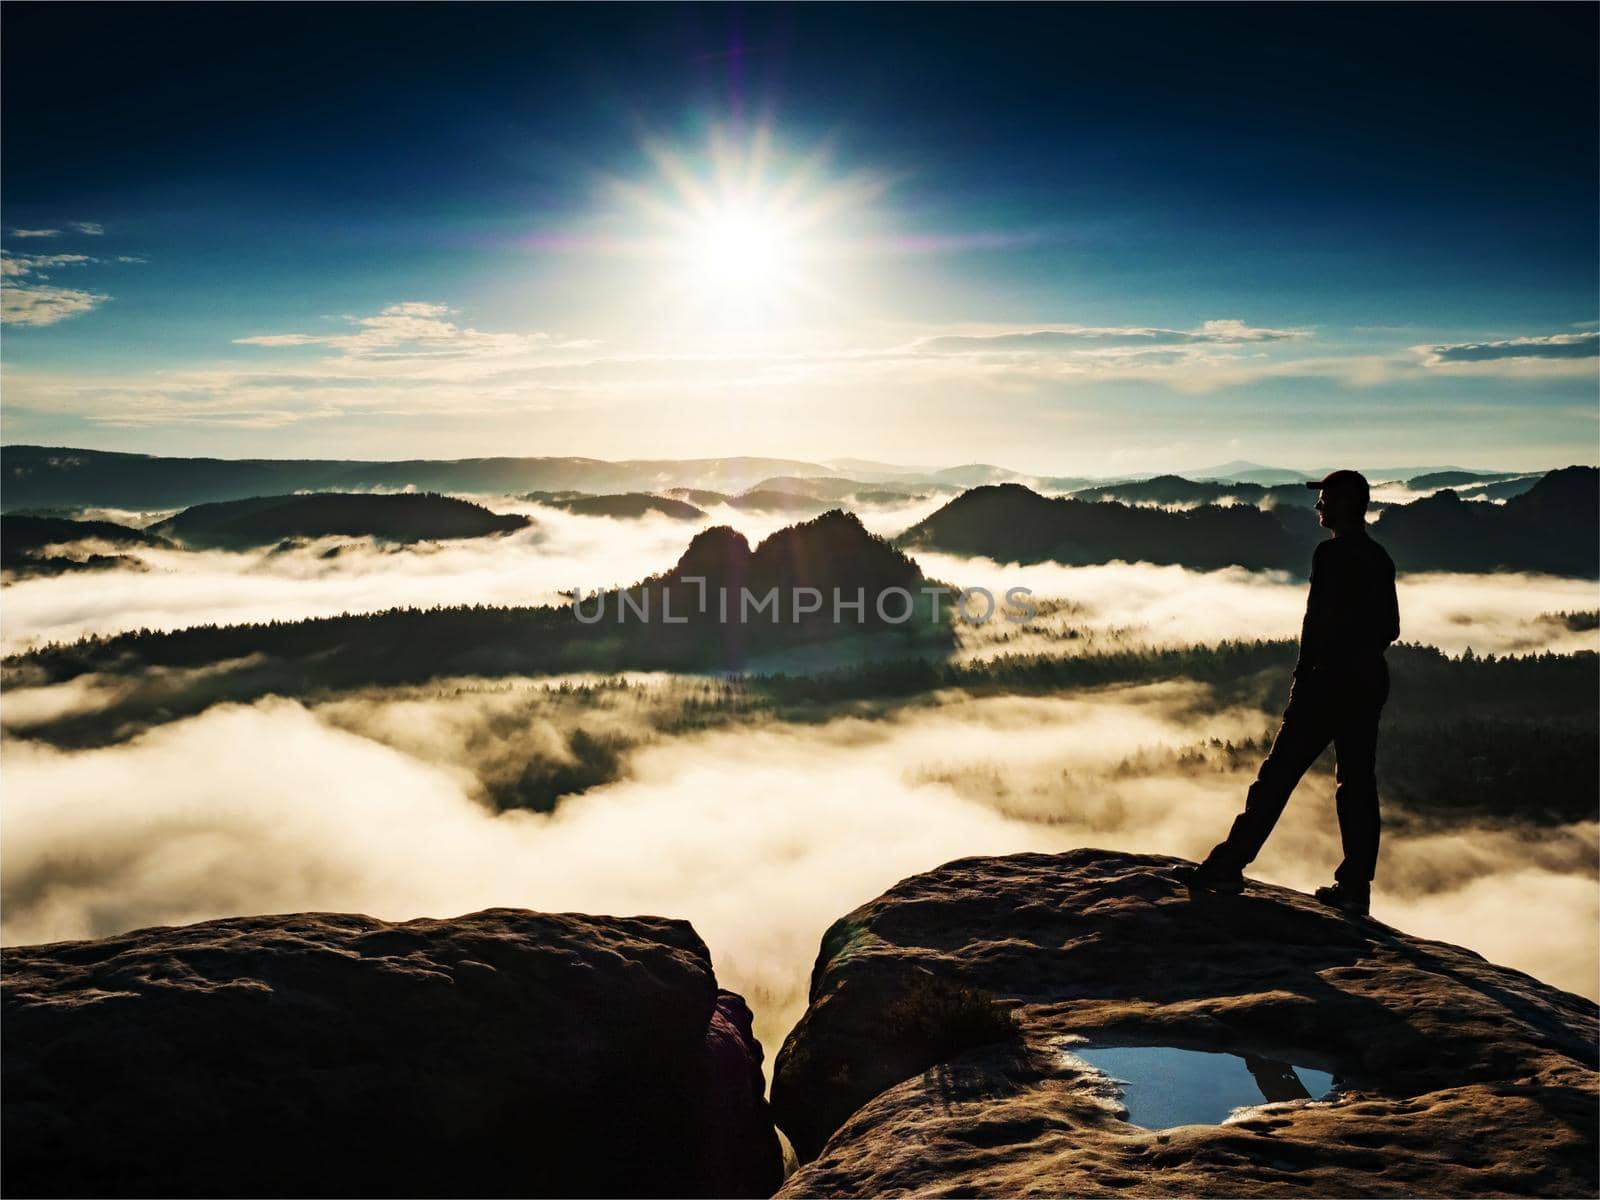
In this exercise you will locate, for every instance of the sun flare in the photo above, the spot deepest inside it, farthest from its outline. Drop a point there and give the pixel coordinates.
(751, 237)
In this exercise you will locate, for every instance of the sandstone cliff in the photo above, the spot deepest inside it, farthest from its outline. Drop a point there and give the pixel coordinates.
(938, 1056)
(505, 1053)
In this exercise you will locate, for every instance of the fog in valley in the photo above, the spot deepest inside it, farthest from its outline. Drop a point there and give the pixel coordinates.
(760, 836)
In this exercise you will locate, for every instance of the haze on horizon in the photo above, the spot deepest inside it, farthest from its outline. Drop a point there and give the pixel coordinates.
(1065, 240)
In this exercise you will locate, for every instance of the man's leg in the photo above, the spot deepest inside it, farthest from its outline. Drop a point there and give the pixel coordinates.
(1305, 733)
(1356, 743)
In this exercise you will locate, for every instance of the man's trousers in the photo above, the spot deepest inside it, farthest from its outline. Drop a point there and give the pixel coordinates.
(1323, 707)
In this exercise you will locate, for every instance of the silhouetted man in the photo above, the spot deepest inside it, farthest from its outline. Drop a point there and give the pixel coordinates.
(1339, 687)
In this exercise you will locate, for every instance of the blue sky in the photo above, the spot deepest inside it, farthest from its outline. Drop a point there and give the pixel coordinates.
(1067, 239)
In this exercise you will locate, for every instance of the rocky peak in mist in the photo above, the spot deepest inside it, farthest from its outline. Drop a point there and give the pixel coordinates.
(720, 553)
(950, 1014)
(798, 586)
(830, 551)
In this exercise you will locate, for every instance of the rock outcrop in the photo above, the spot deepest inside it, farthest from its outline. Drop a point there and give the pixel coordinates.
(505, 1053)
(936, 1056)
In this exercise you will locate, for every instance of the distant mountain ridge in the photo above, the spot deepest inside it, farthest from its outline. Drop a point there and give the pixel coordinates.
(50, 477)
(1240, 471)
(829, 488)
(1175, 489)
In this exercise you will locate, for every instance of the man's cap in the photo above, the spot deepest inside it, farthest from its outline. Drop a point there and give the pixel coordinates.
(1353, 481)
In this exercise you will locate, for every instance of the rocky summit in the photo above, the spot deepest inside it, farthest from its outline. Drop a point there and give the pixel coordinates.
(505, 1053)
(947, 1046)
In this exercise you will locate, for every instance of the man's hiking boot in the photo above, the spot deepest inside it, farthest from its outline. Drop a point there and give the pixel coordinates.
(1345, 898)
(1209, 878)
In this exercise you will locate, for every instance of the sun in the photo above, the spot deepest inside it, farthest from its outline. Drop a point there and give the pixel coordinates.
(739, 250)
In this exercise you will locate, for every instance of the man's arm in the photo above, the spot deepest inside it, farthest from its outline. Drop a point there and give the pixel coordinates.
(1387, 608)
(1310, 622)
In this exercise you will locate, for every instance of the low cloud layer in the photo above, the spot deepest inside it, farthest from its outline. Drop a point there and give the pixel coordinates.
(1134, 604)
(761, 835)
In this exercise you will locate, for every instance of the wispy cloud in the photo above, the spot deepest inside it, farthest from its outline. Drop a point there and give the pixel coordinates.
(423, 358)
(1552, 356)
(411, 329)
(44, 305)
(28, 300)
(14, 266)
(1089, 337)
(1553, 346)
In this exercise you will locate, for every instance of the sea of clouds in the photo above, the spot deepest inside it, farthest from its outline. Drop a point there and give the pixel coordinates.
(760, 832)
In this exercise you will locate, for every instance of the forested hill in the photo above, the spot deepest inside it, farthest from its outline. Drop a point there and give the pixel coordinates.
(1010, 523)
(26, 543)
(396, 517)
(22, 533)
(1553, 527)
(623, 505)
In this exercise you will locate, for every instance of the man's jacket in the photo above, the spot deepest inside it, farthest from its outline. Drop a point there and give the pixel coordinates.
(1352, 614)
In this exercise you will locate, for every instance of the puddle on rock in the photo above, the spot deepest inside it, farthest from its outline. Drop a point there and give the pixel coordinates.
(1164, 1086)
